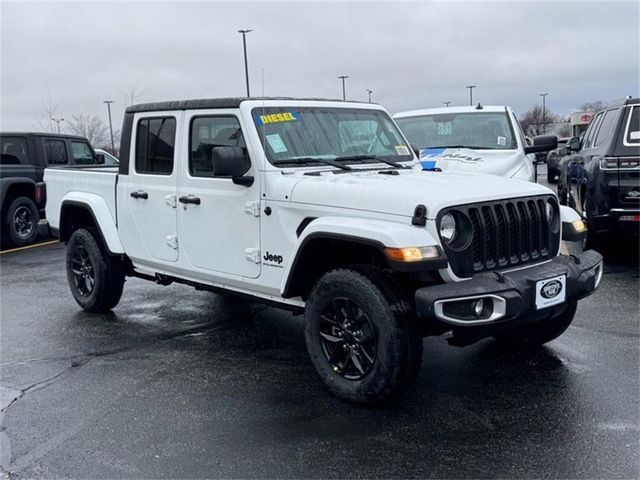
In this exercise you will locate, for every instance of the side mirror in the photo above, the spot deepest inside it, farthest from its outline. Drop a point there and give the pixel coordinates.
(232, 162)
(542, 143)
(99, 159)
(574, 144)
(564, 151)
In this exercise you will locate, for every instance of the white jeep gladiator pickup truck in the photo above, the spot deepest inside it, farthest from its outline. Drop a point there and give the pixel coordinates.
(312, 205)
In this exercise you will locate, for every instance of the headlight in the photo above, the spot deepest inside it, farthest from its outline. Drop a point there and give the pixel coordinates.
(448, 228)
(549, 211)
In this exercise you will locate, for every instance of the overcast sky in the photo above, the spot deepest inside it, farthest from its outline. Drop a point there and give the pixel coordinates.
(412, 55)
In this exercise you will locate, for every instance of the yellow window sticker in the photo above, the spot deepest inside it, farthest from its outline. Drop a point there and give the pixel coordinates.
(277, 117)
(402, 150)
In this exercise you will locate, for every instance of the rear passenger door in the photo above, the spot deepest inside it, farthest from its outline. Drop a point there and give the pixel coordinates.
(147, 195)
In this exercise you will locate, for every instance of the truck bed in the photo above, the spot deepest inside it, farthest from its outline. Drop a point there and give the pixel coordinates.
(67, 183)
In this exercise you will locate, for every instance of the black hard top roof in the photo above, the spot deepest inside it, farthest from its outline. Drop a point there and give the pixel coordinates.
(42, 134)
(202, 103)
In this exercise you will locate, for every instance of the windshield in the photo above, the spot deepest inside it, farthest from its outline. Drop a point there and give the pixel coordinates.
(302, 135)
(479, 130)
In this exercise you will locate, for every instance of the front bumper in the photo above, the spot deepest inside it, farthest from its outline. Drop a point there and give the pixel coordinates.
(512, 294)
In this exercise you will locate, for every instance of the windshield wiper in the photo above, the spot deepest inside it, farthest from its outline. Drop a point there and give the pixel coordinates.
(471, 147)
(312, 160)
(370, 157)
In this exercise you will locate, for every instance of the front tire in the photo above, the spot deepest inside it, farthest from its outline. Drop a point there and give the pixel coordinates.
(96, 280)
(361, 335)
(541, 332)
(21, 221)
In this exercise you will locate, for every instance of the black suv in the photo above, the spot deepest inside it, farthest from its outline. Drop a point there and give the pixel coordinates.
(23, 158)
(600, 177)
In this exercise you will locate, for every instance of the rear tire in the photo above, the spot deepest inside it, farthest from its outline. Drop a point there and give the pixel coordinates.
(361, 335)
(22, 221)
(539, 333)
(95, 279)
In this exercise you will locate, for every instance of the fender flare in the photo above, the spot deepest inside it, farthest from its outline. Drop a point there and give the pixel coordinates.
(99, 211)
(7, 183)
(376, 233)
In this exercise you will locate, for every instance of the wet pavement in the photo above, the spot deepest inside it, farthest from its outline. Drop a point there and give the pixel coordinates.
(180, 383)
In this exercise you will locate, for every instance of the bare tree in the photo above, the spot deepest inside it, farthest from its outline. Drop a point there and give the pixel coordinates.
(50, 107)
(533, 123)
(92, 127)
(130, 94)
(594, 106)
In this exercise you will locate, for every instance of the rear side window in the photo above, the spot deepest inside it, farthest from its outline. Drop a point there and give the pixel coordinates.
(55, 152)
(82, 154)
(632, 130)
(591, 131)
(13, 151)
(609, 121)
(207, 133)
(155, 145)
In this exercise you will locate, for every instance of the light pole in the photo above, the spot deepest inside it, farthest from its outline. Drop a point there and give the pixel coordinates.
(246, 64)
(58, 121)
(369, 92)
(446, 103)
(470, 87)
(344, 92)
(544, 113)
(109, 102)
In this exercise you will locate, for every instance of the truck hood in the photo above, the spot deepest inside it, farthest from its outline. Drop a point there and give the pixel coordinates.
(399, 194)
(496, 162)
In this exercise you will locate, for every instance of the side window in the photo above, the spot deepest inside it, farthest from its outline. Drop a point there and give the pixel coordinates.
(55, 152)
(207, 133)
(591, 131)
(609, 121)
(82, 154)
(155, 145)
(632, 131)
(13, 151)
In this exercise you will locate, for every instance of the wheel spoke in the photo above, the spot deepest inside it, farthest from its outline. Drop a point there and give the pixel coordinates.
(356, 361)
(366, 354)
(330, 338)
(327, 318)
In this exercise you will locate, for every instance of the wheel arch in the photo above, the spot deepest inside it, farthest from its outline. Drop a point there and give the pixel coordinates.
(330, 242)
(16, 187)
(75, 214)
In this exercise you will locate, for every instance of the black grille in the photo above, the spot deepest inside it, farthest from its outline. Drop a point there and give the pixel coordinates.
(503, 234)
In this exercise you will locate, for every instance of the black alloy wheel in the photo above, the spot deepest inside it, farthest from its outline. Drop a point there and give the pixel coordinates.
(83, 272)
(348, 339)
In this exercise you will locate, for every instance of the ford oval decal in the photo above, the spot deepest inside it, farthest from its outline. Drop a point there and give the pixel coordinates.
(551, 289)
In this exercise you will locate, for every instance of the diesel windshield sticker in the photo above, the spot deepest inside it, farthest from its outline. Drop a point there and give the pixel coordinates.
(402, 150)
(277, 117)
(276, 143)
(502, 140)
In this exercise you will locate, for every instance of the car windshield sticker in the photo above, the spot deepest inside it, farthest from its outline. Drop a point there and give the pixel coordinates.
(634, 136)
(402, 150)
(431, 158)
(502, 140)
(277, 117)
(444, 128)
(276, 143)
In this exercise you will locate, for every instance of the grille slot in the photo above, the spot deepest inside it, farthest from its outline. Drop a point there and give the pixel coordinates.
(505, 233)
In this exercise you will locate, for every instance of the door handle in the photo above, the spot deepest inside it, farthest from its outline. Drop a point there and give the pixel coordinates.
(190, 199)
(140, 194)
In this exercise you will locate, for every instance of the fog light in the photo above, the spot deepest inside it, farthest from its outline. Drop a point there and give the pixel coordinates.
(579, 226)
(478, 307)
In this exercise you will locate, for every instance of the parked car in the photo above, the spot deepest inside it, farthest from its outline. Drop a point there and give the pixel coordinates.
(23, 157)
(481, 139)
(105, 158)
(313, 206)
(553, 159)
(600, 177)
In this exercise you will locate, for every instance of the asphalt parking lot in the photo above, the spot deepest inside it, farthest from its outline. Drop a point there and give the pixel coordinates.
(180, 383)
